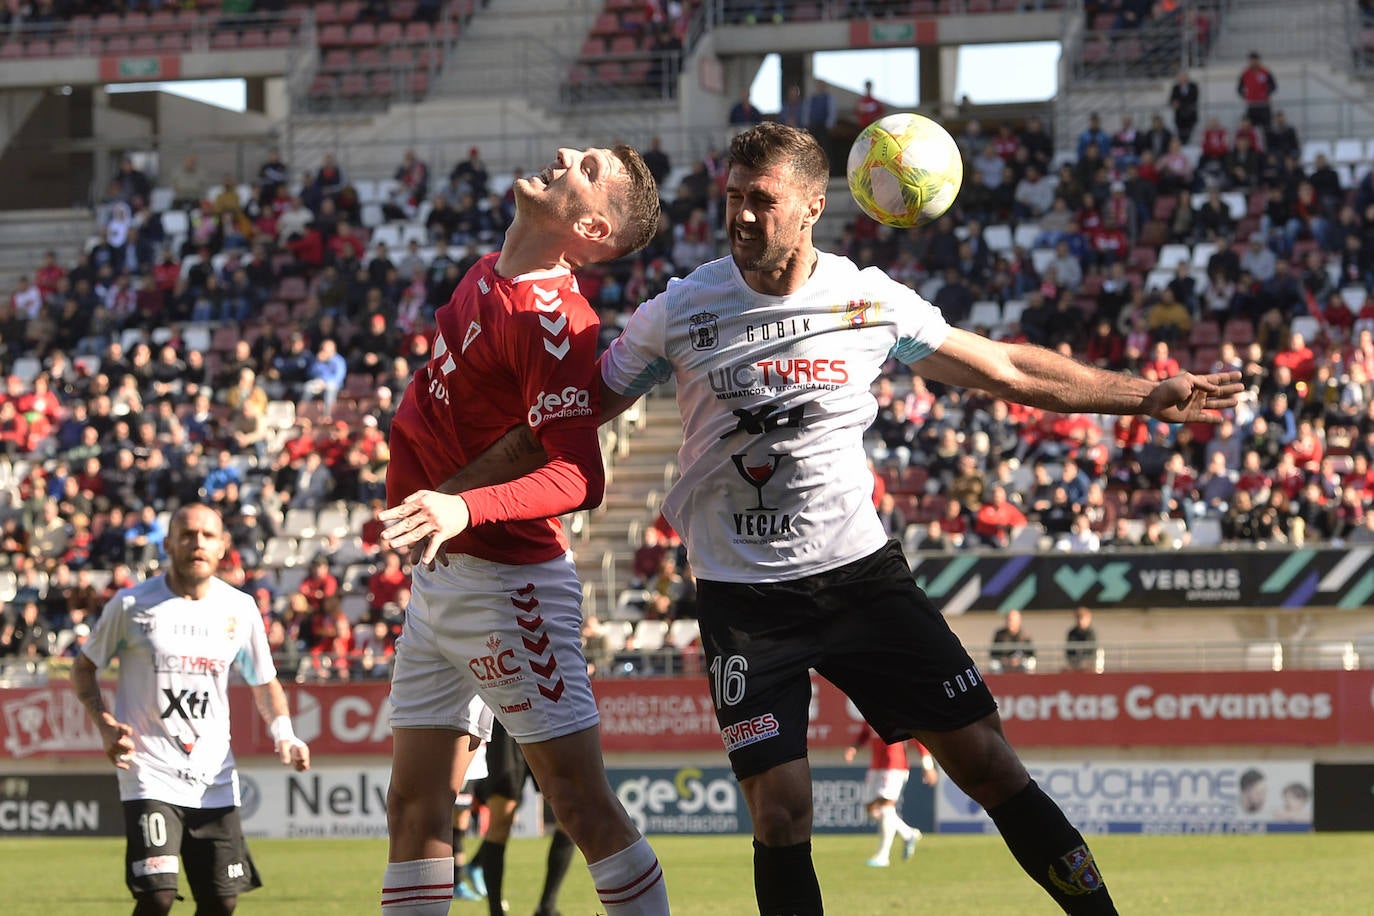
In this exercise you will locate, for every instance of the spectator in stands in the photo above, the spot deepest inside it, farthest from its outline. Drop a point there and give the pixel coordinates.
(743, 114)
(326, 375)
(470, 175)
(413, 174)
(1012, 647)
(867, 108)
(1256, 86)
(893, 519)
(998, 521)
(1081, 652)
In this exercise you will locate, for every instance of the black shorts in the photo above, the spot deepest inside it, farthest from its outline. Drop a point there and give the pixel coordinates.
(866, 627)
(206, 843)
(506, 768)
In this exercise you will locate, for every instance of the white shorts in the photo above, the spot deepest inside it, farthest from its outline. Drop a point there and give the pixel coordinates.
(509, 634)
(884, 784)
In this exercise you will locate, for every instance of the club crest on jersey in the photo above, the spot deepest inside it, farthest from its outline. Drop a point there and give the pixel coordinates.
(473, 330)
(857, 312)
(1076, 873)
(702, 331)
(231, 629)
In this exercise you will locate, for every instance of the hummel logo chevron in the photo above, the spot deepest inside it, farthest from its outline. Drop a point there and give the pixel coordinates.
(530, 625)
(545, 670)
(555, 693)
(554, 326)
(536, 647)
(527, 605)
(559, 351)
(549, 300)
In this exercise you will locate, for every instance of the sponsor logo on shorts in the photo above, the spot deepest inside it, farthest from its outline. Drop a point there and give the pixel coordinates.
(750, 731)
(570, 402)
(156, 865)
(517, 707)
(1076, 874)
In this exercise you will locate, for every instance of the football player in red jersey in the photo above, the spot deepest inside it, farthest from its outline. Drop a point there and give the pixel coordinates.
(500, 616)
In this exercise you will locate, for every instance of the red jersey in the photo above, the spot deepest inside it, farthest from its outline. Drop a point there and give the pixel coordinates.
(885, 756)
(508, 350)
(867, 110)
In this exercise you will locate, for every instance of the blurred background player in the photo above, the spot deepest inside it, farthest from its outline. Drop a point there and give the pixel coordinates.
(888, 771)
(467, 880)
(502, 791)
(169, 733)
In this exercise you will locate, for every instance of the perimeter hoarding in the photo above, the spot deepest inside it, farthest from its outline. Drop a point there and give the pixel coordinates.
(1174, 797)
(673, 715)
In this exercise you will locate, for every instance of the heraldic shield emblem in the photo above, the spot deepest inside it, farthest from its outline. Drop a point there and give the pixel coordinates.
(701, 328)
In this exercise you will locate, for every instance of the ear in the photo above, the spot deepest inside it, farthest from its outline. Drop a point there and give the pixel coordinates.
(594, 227)
(813, 211)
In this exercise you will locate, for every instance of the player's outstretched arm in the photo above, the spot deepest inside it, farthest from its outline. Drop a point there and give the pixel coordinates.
(271, 703)
(115, 736)
(1041, 378)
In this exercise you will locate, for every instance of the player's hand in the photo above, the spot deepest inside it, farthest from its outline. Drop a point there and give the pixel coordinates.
(118, 739)
(294, 753)
(425, 514)
(848, 754)
(930, 777)
(1189, 398)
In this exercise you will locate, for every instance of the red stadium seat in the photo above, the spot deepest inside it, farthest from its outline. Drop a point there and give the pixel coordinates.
(418, 84)
(363, 33)
(390, 32)
(624, 44)
(607, 25)
(353, 85)
(162, 20)
(39, 47)
(337, 59)
(145, 44)
(1205, 333)
(280, 37)
(1164, 208)
(1238, 331)
(118, 44)
(252, 38)
(350, 10)
(174, 42)
(1143, 257)
(382, 83)
(293, 289)
(403, 10)
(325, 13)
(1204, 358)
(11, 50)
(417, 31)
(369, 58)
(224, 41)
(109, 22)
(333, 34)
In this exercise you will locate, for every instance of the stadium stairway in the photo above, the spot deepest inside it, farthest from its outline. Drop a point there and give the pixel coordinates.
(637, 482)
(26, 234)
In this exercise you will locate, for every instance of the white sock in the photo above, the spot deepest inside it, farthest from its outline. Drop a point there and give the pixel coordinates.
(904, 830)
(887, 828)
(421, 887)
(630, 882)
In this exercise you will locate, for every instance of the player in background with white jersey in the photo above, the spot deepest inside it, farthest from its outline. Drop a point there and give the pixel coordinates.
(501, 618)
(888, 772)
(774, 350)
(176, 637)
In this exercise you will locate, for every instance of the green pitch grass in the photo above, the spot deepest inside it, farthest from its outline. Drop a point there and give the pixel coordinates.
(1325, 875)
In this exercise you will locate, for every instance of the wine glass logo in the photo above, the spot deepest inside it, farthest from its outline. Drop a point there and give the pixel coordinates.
(758, 475)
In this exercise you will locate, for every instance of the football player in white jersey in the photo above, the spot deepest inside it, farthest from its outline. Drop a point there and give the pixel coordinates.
(774, 350)
(176, 637)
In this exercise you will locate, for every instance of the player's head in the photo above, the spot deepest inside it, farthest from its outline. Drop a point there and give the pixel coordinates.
(606, 196)
(195, 544)
(774, 194)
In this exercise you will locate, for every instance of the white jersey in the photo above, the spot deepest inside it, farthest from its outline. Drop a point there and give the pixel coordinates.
(174, 660)
(775, 399)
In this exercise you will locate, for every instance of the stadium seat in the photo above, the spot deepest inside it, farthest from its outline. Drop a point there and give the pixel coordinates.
(1172, 255)
(1309, 327)
(362, 33)
(1206, 333)
(1042, 258)
(279, 553)
(1354, 297)
(1202, 254)
(299, 523)
(1143, 258)
(1011, 311)
(1026, 235)
(998, 238)
(1348, 151)
(1313, 148)
(986, 314)
(1158, 279)
(684, 634)
(650, 635)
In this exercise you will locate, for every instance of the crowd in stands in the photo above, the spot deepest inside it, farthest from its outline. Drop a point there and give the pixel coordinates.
(246, 346)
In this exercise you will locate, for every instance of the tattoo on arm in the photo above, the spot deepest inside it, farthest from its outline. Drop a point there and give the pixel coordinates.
(515, 454)
(86, 684)
(270, 700)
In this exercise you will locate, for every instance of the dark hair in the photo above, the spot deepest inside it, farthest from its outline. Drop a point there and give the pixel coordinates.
(1249, 778)
(771, 144)
(637, 209)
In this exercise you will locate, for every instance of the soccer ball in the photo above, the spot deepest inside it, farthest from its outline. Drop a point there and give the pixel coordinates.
(905, 170)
